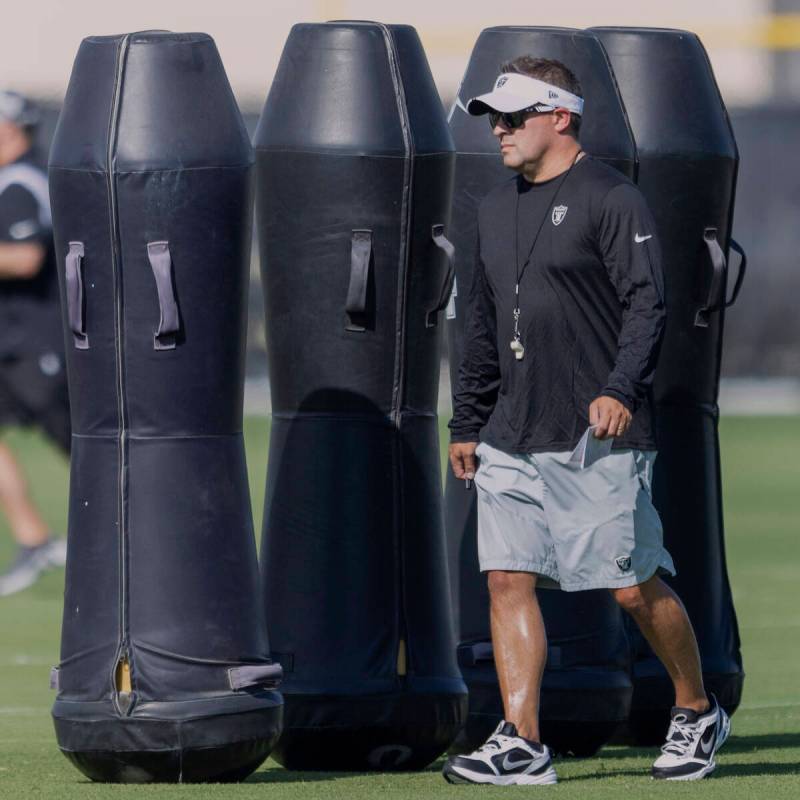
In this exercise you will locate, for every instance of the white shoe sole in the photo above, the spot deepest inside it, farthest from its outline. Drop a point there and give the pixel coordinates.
(694, 776)
(457, 775)
(725, 730)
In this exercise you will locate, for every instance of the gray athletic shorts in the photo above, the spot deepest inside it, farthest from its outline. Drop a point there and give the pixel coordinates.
(576, 527)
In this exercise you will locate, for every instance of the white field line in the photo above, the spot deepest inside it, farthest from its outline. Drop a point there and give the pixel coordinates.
(794, 703)
(24, 711)
(22, 660)
(769, 626)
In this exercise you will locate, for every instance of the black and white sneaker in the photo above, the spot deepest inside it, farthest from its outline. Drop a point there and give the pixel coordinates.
(30, 563)
(505, 759)
(692, 741)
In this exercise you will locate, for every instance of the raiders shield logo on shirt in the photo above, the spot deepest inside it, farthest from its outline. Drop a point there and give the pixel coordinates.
(559, 212)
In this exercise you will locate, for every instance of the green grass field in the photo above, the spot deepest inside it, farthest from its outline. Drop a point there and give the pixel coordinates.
(762, 759)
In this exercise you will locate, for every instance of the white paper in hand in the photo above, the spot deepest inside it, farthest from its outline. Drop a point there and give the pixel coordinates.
(590, 449)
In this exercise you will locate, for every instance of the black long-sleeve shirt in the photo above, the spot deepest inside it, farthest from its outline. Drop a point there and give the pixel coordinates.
(30, 313)
(591, 313)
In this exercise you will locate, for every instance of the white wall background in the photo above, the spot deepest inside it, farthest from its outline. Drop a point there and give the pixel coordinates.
(39, 38)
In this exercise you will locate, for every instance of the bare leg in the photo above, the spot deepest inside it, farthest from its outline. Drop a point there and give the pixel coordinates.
(663, 621)
(27, 526)
(520, 647)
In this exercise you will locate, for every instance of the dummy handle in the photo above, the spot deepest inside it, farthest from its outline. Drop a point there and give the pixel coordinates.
(169, 320)
(269, 675)
(737, 248)
(75, 300)
(441, 241)
(360, 259)
(716, 297)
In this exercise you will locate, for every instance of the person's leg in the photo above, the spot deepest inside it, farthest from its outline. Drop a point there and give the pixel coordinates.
(514, 550)
(27, 526)
(513, 754)
(520, 647)
(663, 621)
(698, 727)
(36, 551)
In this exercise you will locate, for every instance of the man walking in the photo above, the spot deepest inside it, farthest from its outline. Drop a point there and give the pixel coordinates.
(562, 331)
(33, 387)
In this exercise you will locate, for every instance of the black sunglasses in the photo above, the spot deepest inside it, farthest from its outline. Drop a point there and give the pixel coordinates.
(512, 119)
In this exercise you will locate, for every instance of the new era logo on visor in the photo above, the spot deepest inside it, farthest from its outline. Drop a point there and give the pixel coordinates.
(552, 94)
(501, 81)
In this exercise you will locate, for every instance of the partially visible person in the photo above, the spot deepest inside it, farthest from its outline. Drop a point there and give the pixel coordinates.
(33, 388)
(37, 549)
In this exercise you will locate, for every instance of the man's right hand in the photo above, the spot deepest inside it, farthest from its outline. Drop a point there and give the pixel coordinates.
(462, 459)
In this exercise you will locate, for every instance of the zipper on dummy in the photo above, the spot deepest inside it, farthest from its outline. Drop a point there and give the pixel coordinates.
(399, 379)
(124, 697)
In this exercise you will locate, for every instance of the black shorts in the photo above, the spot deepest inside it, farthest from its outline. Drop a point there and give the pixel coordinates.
(33, 391)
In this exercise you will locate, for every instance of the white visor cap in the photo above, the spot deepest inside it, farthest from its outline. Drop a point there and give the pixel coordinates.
(513, 92)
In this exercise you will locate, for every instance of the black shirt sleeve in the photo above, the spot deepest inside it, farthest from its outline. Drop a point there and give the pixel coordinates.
(632, 257)
(479, 374)
(19, 216)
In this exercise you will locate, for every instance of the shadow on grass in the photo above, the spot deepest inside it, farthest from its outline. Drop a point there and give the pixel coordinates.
(762, 741)
(723, 770)
(280, 775)
(736, 744)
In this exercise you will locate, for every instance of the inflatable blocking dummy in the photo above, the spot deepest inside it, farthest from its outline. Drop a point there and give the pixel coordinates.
(586, 689)
(355, 166)
(687, 172)
(164, 672)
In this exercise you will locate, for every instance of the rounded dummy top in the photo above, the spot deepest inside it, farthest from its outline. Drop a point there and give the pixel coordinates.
(353, 87)
(148, 101)
(670, 92)
(605, 132)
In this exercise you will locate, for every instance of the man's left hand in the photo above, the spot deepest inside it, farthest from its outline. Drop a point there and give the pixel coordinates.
(609, 417)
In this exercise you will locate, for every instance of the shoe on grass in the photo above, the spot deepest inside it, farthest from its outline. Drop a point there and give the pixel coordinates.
(30, 563)
(505, 759)
(692, 741)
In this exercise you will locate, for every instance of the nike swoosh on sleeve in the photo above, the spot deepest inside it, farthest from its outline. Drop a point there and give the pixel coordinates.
(639, 239)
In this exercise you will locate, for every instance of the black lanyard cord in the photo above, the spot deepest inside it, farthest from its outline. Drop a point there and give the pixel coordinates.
(516, 344)
(553, 199)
